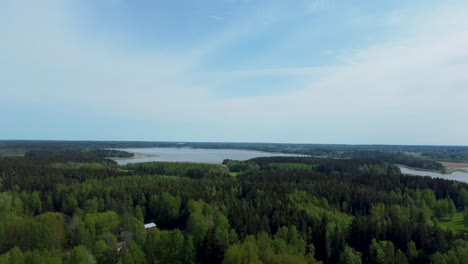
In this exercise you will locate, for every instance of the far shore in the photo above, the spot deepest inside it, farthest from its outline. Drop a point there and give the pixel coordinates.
(454, 165)
(137, 156)
(451, 167)
(449, 170)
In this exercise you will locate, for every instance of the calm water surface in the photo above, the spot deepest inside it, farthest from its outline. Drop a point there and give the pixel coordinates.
(218, 155)
(455, 175)
(193, 155)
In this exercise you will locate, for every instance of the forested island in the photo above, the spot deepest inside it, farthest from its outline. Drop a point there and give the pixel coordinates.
(68, 202)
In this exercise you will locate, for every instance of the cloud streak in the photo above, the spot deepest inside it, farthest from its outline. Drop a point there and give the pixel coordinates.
(407, 89)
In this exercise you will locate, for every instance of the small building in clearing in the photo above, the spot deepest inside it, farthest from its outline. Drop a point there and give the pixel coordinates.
(150, 226)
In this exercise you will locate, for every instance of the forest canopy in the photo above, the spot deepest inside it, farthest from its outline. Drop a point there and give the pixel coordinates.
(62, 204)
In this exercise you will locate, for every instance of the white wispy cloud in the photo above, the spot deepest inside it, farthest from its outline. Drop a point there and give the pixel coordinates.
(410, 87)
(414, 83)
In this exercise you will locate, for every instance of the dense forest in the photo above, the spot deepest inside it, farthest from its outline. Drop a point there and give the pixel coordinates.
(69, 204)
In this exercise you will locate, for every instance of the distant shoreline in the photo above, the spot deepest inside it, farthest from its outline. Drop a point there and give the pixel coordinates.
(454, 165)
(135, 156)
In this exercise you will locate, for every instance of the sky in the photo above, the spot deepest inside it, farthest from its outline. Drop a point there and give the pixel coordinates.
(303, 71)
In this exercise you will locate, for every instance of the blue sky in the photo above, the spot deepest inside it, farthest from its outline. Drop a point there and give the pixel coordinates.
(305, 71)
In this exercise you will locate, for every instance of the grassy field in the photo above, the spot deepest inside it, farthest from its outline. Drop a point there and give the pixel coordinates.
(456, 224)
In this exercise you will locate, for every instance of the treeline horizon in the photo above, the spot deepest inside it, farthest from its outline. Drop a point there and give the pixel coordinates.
(136, 143)
(418, 156)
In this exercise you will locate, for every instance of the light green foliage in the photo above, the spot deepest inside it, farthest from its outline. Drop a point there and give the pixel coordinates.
(378, 211)
(18, 232)
(134, 255)
(165, 246)
(457, 255)
(288, 240)
(463, 197)
(243, 253)
(134, 227)
(221, 237)
(429, 197)
(183, 169)
(264, 249)
(384, 213)
(170, 245)
(377, 168)
(233, 237)
(240, 166)
(32, 203)
(49, 231)
(316, 208)
(418, 196)
(445, 209)
(350, 256)
(204, 218)
(103, 252)
(338, 226)
(78, 165)
(45, 231)
(97, 224)
(139, 213)
(80, 255)
(10, 204)
(384, 252)
(14, 256)
(456, 224)
(80, 234)
(438, 258)
(198, 225)
(412, 252)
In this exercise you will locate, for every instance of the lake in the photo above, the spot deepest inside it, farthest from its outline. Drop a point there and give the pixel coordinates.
(218, 155)
(192, 155)
(454, 175)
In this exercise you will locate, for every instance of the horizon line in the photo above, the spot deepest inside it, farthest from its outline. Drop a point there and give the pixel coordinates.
(228, 142)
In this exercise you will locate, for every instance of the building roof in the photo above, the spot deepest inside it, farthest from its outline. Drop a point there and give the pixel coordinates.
(150, 225)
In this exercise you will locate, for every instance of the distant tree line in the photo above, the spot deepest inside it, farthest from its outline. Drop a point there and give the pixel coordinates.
(446, 153)
(457, 155)
(398, 158)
